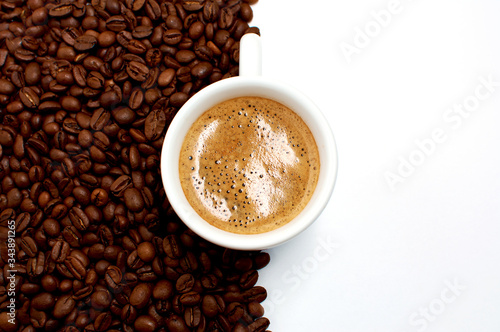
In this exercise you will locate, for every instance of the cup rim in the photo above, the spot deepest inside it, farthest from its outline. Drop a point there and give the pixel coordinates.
(244, 86)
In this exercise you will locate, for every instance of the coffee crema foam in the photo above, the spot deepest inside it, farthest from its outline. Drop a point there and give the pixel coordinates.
(249, 165)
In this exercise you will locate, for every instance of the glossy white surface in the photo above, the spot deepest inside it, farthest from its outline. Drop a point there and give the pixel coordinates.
(410, 239)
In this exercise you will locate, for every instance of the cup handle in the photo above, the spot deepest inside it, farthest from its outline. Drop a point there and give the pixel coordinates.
(250, 55)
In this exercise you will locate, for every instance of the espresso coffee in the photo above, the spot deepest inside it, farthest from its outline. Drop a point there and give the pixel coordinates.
(249, 165)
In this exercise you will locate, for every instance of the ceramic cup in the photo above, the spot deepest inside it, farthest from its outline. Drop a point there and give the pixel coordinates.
(249, 83)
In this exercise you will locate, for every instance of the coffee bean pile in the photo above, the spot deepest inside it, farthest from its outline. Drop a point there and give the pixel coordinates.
(88, 240)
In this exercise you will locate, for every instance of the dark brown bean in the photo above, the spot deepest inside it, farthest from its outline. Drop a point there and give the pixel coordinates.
(155, 124)
(85, 43)
(172, 37)
(202, 70)
(123, 115)
(29, 97)
(145, 323)
(88, 92)
(260, 325)
(163, 290)
(176, 323)
(99, 119)
(192, 5)
(29, 246)
(79, 219)
(140, 295)
(101, 299)
(133, 199)
(137, 71)
(63, 306)
(61, 10)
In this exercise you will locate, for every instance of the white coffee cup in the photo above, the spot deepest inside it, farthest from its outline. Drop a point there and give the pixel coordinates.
(249, 83)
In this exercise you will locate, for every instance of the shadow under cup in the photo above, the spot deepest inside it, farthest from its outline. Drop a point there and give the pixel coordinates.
(248, 87)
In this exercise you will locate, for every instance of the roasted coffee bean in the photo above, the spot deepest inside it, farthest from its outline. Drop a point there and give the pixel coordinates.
(100, 299)
(99, 119)
(226, 18)
(109, 98)
(79, 219)
(192, 5)
(155, 124)
(255, 309)
(29, 97)
(211, 10)
(120, 185)
(134, 261)
(61, 10)
(178, 99)
(133, 199)
(99, 197)
(76, 267)
(185, 283)
(85, 43)
(69, 35)
(70, 104)
(72, 236)
(259, 325)
(101, 140)
(22, 222)
(261, 260)
(193, 316)
(6, 87)
(43, 301)
(246, 12)
(113, 278)
(70, 125)
(24, 55)
(123, 115)
(163, 290)
(212, 305)
(105, 233)
(172, 246)
(63, 306)
(202, 70)
(145, 323)
(128, 314)
(185, 56)
(103, 322)
(146, 274)
(248, 279)
(137, 71)
(140, 295)
(166, 77)
(29, 246)
(135, 46)
(142, 31)
(35, 265)
(116, 23)
(83, 292)
(256, 293)
(146, 251)
(176, 323)
(80, 75)
(136, 99)
(95, 80)
(89, 91)
(60, 251)
(235, 311)
(172, 37)
(190, 298)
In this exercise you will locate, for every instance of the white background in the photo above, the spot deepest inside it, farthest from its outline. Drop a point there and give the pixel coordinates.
(422, 254)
